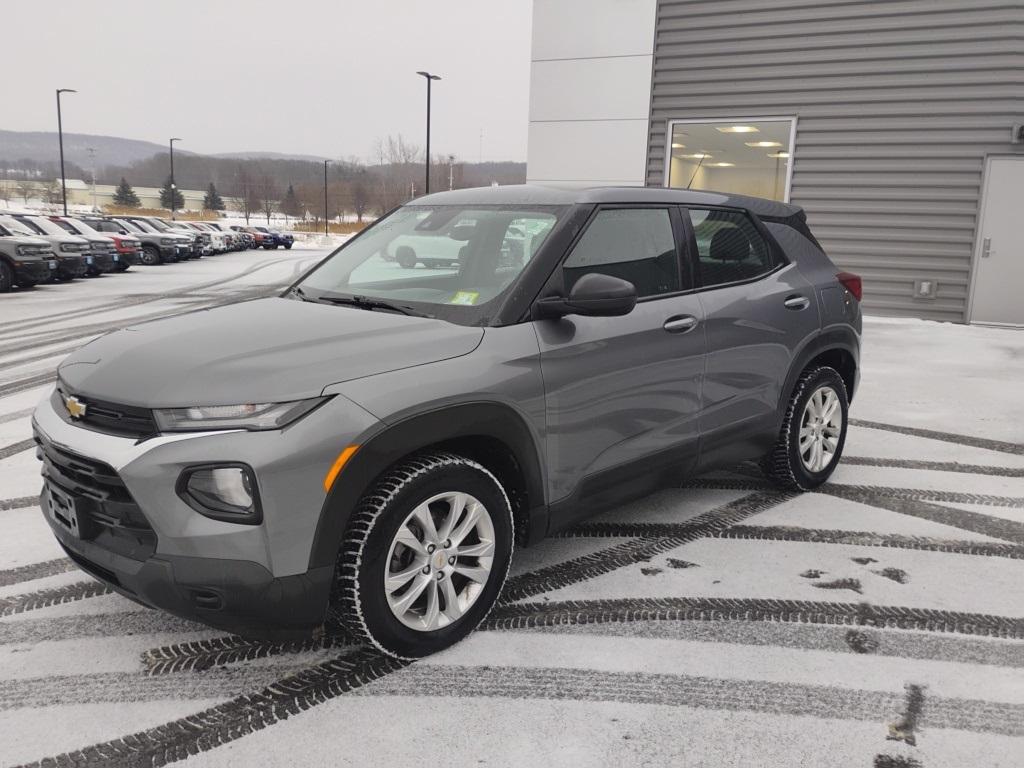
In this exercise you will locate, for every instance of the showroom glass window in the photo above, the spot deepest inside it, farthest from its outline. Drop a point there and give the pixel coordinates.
(729, 247)
(635, 244)
(744, 157)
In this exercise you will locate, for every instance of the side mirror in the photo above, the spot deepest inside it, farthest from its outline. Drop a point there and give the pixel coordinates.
(593, 295)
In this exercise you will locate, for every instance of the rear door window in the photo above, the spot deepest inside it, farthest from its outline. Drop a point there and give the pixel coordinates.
(729, 247)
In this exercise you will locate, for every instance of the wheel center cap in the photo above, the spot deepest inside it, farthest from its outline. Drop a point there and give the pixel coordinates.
(439, 559)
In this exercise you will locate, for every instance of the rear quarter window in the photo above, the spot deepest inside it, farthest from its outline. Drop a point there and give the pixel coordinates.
(730, 249)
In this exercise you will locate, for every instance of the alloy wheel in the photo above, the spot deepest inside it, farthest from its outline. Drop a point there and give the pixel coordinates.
(820, 427)
(439, 561)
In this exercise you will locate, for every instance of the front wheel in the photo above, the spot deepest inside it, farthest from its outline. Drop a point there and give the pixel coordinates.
(426, 554)
(149, 256)
(6, 277)
(813, 432)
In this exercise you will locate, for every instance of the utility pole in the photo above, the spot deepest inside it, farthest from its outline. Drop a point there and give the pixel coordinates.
(325, 196)
(92, 170)
(429, 77)
(451, 171)
(60, 141)
(174, 193)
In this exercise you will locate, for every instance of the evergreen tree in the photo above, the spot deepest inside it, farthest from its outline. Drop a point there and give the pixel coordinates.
(290, 205)
(165, 196)
(212, 201)
(125, 196)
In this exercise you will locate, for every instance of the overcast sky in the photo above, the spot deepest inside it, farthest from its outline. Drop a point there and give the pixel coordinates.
(324, 78)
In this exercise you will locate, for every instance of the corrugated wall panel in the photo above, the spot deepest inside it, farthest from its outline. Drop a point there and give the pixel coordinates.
(898, 103)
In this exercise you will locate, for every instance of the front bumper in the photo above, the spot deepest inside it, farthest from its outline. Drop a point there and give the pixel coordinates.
(35, 271)
(100, 262)
(69, 267)
(128, 258)
(130, 528)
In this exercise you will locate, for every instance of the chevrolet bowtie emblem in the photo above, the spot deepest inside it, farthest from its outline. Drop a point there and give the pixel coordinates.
(75, 407)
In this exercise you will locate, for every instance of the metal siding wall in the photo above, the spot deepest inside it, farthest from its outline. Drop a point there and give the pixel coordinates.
(898, 104)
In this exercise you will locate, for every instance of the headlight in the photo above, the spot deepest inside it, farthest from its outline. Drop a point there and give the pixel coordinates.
(224, 492)
(251, 416)
(72, 247)
(27, 250)
(167, 241)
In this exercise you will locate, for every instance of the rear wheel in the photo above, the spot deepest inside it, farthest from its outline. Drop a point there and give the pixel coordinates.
(813, 432)
(425, 557)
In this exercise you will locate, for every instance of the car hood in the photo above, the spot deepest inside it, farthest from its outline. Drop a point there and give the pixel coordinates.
(270, 350)
(27, 240)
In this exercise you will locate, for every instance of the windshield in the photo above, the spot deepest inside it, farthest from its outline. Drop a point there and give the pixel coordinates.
(157, 225)
(43, 226)
(144, 226)
(16, 227)
(451, 262)
(83, 228)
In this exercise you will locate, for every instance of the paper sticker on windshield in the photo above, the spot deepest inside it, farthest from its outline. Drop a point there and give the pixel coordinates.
(465, 297)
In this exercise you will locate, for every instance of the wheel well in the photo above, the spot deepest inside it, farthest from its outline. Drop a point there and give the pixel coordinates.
(500, 460)
(843, 362)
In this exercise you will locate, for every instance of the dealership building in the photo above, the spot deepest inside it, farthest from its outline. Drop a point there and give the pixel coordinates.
(896, 126)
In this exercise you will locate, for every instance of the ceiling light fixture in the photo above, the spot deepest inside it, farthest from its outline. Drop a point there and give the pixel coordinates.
(737, 129)
(722, 165)
(697, 156)
(778, 154)
(763, 143)
(676, 145)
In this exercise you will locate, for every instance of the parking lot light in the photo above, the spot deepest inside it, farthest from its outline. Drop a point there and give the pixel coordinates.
(60, 141)
(429, 77)
(325, 197)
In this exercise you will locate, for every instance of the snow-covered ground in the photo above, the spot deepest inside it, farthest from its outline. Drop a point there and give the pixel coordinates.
(879, 621)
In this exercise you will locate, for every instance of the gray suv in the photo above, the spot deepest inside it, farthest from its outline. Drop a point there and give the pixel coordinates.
(367, 447)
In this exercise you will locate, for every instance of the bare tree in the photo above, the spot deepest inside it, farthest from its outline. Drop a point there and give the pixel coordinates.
(52, 193)
(247, 199)
(25, 189)
(269, 195)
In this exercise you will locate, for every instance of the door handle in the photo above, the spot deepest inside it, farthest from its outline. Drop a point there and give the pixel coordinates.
(680, 324)
(986, 247)
(797, 302)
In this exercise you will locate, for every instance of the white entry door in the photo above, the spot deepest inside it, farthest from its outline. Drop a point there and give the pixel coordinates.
(997, 290)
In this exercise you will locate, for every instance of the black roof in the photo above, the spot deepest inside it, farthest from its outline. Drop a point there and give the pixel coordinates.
(532, 194)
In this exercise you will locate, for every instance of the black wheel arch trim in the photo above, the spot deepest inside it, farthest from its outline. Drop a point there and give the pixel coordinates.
(390, 442)
(842, 338)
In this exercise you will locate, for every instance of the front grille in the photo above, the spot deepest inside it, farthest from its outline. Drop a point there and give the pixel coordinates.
(110, 418)
(108, 515)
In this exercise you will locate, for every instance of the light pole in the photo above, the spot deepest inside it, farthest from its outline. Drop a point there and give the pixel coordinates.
(429, 77)
(451, 171)
(60, 141)
(173, 188)
(325, 197)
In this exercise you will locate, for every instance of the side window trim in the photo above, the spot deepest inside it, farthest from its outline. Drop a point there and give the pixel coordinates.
(779, 259)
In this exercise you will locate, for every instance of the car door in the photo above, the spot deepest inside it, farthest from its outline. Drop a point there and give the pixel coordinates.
(623, 393)
(758, 311)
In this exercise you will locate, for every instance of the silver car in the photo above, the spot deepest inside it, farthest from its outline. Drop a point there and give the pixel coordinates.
(368, 447)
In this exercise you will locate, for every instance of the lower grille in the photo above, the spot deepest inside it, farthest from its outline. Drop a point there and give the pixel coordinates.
(102, 502)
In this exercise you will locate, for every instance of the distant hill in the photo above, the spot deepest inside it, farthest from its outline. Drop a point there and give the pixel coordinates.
(41, 147)
(269, 156)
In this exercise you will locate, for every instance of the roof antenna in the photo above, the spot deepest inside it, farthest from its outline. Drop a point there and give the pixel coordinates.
(702, 156)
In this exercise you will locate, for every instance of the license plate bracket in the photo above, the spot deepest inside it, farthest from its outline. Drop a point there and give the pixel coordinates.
(67, 511)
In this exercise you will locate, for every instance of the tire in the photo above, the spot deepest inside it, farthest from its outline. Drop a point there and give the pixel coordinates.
(371, 550)
(150, 256)
(6, 277)
(786, 464)
(27, 285)
(405, 256)
(287, 246)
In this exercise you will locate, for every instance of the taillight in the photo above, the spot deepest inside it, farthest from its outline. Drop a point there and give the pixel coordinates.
(852, 283)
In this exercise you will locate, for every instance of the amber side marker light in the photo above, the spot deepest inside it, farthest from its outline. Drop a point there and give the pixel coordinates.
(338, 465)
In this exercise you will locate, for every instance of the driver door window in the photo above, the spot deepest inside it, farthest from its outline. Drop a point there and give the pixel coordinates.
(634, 244)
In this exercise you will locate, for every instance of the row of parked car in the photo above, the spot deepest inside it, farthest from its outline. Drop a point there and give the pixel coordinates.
(37, 248)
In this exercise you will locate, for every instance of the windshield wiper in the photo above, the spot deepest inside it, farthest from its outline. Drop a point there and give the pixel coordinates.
(302, 295)
(364, 302)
